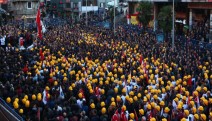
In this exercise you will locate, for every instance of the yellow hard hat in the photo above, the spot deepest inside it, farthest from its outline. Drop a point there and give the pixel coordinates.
(15, 104)
(203, 117)
(21, 111)
(24, 100)
(70, 88)
(166, 110)
(33, 97)
(112, 99)
(124, 90)
(183, 119)
(155, 97)
(131, 100)
(205, 102)
(186, 112)
(55, 83)
(39, 98)
(113, 104)
(153, 119)
(27, 104)
(8, 100)
(139, 95)
(164, 119)
(118, 98)
(145, 99)
(92, 105)
(131, 93)
(26, 97)
(200, 108)
(116, 90)
(124, 107)
(102, 104)
(196, 116)
(157, 108)
(135, 98)
(103, 110)
(149, 107)
(47, 88)
(162, 103)
(141, 111)
(80, 95)
(205, 89)
(194, 110)
(102, 91)
(132, 116)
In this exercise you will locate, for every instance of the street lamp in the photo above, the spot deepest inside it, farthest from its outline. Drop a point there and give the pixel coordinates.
(173, 20)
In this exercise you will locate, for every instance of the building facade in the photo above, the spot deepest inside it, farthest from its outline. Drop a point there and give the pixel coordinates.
(23, 8)
(192, 12)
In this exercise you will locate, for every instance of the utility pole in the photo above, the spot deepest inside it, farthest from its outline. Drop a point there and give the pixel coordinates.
(173, 20)
(114, 18)
(86, 13)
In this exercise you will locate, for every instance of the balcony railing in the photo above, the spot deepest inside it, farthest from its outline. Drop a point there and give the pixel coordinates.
(25, 12)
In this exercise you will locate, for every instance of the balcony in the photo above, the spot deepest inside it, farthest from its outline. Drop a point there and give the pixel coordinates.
(25, 12)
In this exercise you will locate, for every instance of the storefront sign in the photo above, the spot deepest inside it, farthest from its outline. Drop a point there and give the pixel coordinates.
(160, 37)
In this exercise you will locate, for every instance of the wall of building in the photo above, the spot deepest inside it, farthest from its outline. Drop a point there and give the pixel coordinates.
(103, 3)
(20, 8)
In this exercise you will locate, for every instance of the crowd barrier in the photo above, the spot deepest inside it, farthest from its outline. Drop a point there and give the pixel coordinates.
(8, 113)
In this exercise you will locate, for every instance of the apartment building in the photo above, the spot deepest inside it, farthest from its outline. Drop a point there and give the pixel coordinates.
(23, 8)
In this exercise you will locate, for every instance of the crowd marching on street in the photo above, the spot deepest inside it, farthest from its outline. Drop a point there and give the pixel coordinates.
(87, 73)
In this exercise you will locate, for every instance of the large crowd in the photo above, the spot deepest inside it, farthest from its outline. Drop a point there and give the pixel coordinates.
(86, 73)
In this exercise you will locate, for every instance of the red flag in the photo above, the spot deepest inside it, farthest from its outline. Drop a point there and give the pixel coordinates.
(82, 92)
(197, 101)
(97, 91)
(141, 59)
(123, 116)
(25, 69)
(39, 24)
(41, 55)
(188, 101)
(115, 116)
(181, 91)
(189, 82)
(136, 117)
(150, 115)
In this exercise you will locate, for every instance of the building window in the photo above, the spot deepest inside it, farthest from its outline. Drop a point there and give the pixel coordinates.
(29, 5)
(101, 5)
(68, 5)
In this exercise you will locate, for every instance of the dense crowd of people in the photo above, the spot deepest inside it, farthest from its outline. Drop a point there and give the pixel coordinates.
(86, 73)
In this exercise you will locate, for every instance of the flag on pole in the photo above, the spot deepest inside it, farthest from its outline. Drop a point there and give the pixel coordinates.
(61, 93)
(38, 22)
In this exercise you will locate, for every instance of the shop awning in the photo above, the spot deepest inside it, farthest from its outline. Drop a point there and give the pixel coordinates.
(180, 15)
